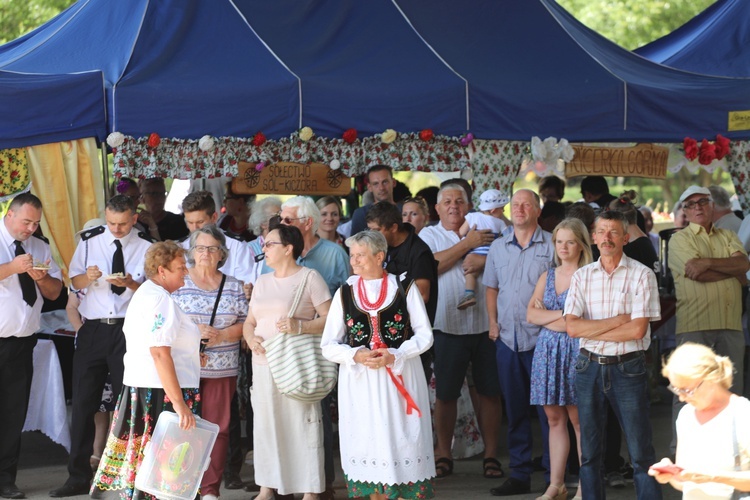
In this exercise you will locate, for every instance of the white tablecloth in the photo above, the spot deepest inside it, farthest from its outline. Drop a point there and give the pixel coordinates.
(47, 411)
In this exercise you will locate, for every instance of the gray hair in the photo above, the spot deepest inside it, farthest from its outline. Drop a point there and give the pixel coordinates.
(305, 208)
(215, 233)
(453, 187)
(261, 211)
(720, 197)
(374, 240)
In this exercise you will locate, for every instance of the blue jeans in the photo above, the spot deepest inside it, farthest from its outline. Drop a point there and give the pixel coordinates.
(514, 371)
(625, 385)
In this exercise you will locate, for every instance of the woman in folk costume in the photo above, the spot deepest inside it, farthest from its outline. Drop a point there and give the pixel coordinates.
(376, 329)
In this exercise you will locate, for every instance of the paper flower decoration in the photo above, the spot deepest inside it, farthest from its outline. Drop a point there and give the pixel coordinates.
(388, 136)
(259, 139)
(305, 133)
(722, 146)
(115, 139)
(350, 135)
(538, 149)
(467, 173)
(426, 135)
(122, 186)
(546, 153)
(206, 143)
(564, 151)
(260, 166)
(707, 153)
(335, 165)
(690, 146)
(154, 140)
(467, 139)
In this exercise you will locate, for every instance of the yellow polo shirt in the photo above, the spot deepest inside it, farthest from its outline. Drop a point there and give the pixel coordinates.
(705, 306)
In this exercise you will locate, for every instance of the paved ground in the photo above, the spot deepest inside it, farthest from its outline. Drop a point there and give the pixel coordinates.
(43, 463)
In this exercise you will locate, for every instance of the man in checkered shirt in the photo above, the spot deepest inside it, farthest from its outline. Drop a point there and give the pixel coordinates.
(609, 306)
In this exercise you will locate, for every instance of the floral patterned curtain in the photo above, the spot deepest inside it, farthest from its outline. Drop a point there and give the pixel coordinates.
(14, 173)
(496, 165)
(738, 165)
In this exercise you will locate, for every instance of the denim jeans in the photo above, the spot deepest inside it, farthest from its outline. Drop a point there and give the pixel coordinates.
(625, 385)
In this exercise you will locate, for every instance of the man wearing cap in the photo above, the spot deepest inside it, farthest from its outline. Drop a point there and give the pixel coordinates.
(709, 265)
(108, 263)
(491, 218)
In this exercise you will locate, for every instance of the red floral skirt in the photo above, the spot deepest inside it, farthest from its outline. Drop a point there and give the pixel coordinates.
(132, 425)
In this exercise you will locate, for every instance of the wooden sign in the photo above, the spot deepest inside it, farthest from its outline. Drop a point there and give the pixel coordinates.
(643, 160)
(291, 178)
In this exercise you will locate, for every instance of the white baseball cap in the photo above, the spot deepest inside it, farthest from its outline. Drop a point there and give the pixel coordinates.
(694, 190)
(492, 198)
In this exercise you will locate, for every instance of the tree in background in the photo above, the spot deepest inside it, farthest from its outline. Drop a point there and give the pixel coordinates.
(18, 17)
(634, 23)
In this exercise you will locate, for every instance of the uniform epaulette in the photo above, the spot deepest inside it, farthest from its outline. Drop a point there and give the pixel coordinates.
(41, 237)
(90, 233)
(231, 235)
(146, 237)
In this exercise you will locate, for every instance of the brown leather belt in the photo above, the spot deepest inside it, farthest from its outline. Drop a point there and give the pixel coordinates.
(610, 360)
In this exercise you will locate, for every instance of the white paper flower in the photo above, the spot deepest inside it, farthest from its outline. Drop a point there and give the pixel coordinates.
(305, 133)
(550, 146)
(538, 149)
(335, 165)
(565, 151)
(388, 136)
(206, 143)
(115, 139)
(467, 173)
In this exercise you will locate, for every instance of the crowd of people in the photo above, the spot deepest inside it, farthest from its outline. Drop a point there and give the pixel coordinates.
(548, 311)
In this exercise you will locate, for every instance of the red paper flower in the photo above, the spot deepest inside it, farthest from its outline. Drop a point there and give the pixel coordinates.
(707, 153)
(259, 139)
(722, 146)
(426, 135)
(691, 148)
(154, 140)
(350, 135)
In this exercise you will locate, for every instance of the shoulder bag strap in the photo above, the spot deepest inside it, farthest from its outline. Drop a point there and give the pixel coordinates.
(218, 298)
(300, 291)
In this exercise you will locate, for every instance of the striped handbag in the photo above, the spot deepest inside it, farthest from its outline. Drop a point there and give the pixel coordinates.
(296, 361)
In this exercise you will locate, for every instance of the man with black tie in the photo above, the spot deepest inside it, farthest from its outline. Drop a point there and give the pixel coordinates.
(27, 273)
(108, 264)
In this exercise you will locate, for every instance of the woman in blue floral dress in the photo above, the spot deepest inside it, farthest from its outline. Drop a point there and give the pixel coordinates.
(553, 366)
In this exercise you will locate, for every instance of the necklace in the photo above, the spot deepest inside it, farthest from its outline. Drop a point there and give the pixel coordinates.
(362, 293)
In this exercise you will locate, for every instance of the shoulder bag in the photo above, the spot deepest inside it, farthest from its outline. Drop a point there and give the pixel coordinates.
(296, 361)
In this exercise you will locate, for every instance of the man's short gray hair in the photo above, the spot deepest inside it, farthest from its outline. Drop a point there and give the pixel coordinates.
(720, 197)
(453, 187)
(261, 211)
(374, 240)
(305, 208)
(215, 233)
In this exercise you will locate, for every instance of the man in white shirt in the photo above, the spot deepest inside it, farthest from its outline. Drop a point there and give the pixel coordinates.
(108, 264)
(461, 336)
(23, 278)
(609, 306)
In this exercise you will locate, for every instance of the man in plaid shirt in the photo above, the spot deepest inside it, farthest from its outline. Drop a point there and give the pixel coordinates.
(609, 306)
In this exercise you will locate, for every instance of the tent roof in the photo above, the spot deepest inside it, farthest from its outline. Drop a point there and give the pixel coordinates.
(715, 42)
(503, 69)
(39, 109)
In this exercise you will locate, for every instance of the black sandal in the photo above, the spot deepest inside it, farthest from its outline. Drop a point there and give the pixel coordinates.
(492, 465)
(443, 467)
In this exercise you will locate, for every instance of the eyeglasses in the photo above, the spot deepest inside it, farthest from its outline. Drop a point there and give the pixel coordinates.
(286, 220)
(415, 199)
(689, 205)
(267, 244)
(204, 249)
(684, 392)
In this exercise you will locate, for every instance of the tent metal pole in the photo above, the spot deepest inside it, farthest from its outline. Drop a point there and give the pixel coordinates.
(105, 173)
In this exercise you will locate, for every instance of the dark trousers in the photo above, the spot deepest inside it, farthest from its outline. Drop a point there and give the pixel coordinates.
(99, 351)
(16, 370)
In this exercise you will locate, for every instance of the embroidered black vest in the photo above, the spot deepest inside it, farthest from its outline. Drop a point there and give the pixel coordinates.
(393, 320)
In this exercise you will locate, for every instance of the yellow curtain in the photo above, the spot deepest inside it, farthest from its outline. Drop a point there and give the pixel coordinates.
(67, 177)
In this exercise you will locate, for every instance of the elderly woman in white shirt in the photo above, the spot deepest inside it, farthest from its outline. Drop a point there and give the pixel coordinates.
(162, 371)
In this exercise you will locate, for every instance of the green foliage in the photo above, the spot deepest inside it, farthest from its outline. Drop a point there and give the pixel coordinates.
(633, 23)
(18, 17)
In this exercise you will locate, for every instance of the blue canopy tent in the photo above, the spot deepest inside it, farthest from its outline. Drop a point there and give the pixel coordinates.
(533, 69)
(715, 42)
(39, 109)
